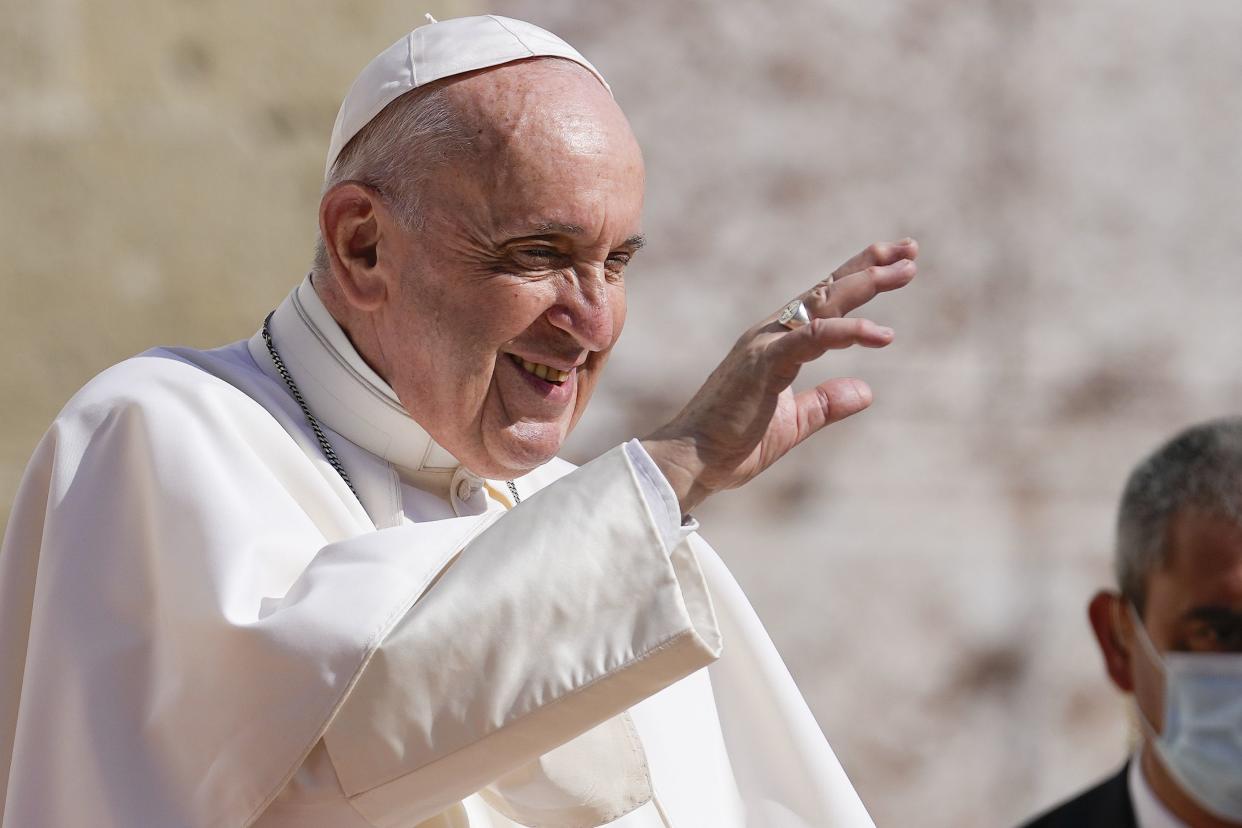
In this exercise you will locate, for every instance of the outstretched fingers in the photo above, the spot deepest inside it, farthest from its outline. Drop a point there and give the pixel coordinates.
(821, 335)
(850, 292)
(878, 255)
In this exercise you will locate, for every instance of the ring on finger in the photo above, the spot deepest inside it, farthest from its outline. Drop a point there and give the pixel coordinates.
(794, 315)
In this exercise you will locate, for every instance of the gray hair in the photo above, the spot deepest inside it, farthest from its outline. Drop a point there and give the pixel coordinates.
(1200, 468)
(395, 153)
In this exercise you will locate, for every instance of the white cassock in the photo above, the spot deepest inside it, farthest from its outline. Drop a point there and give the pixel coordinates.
(200, 625)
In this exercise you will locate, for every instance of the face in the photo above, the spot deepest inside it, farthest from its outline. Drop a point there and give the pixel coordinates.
(511, 292)
(1194, 603)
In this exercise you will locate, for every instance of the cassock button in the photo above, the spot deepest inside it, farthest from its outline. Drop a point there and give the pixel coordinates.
(465, 488)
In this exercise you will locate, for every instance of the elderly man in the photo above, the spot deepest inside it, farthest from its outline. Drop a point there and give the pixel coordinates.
(335, 575)
(1172, 637)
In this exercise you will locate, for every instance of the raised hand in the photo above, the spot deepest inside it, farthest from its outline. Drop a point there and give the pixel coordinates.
(746, 416)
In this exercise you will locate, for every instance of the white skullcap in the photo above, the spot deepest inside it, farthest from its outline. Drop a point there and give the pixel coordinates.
(436, 51)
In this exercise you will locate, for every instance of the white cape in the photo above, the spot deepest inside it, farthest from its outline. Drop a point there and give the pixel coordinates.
(191, 599)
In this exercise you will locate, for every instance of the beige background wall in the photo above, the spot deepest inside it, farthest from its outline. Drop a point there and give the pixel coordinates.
(1072, 170)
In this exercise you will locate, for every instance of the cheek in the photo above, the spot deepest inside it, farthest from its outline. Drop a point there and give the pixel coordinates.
(517, 308)
(500, 317)
(618, 313)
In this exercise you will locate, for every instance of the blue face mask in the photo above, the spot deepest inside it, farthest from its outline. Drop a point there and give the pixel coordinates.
(1201, 742)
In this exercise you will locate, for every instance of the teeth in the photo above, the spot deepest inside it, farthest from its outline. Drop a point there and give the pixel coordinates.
(545, 372)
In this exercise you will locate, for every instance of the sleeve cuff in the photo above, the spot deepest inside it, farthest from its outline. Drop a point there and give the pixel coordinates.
(659, 496)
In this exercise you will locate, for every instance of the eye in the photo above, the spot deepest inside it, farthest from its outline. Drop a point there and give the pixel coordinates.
(538, 257)
(1214, 637)
(616, 263)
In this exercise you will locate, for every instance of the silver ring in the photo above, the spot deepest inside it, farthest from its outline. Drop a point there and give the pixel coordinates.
(794, 315)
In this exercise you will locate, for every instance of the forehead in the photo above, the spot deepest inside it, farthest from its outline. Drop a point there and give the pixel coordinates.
(496, 98)
(1203, 565)
(544, 134)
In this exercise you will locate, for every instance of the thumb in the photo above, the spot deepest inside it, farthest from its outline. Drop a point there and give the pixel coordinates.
(829, 402)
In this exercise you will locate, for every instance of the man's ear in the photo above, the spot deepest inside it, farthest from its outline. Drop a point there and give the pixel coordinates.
(1106, 612)
(352, 223)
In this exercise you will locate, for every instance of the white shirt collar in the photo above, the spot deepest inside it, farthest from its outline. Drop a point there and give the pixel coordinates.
(347, 396)
(1149, 811)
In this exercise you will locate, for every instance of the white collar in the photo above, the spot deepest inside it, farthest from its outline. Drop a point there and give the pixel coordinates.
(347, 396)
(1149, 811)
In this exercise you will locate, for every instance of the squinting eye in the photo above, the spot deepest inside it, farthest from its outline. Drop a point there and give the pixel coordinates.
(1213, 638)
(1230, 639)
(538, 256)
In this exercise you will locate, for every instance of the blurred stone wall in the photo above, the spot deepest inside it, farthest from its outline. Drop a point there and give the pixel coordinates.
(1072, 171)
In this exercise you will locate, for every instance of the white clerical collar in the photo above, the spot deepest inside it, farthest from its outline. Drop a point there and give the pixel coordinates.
(347, 396)
(1149, 811)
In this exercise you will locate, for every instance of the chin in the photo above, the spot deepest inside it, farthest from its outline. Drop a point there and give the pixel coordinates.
(513, 453)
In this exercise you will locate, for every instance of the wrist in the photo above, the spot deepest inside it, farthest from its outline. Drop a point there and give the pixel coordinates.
(677, 458)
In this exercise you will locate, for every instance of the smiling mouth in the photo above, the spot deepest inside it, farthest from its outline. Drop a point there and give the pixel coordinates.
(545, 372)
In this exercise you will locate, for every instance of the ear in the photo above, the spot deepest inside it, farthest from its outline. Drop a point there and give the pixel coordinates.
(353, 222)
(1111, 625)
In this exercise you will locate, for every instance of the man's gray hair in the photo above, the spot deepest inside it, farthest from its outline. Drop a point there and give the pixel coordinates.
(395, 153)
(1199, 468)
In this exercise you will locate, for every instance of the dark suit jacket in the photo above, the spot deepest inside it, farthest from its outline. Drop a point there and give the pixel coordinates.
(1107, 805)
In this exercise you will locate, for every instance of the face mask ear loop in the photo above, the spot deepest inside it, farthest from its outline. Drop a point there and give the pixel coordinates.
(1149, 649)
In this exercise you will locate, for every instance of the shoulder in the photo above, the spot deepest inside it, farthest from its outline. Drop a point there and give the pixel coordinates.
(1108, 803)
(169, 403)
(181, 426)
(176, 381)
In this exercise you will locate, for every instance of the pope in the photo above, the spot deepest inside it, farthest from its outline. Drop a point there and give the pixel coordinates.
(335, 575)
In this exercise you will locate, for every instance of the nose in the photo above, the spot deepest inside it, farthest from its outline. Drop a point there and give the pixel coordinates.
(584, 311)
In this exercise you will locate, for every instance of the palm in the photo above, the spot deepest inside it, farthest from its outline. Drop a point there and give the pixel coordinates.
(781, 435)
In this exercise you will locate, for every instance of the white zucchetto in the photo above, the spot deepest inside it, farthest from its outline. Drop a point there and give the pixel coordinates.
(440, 50)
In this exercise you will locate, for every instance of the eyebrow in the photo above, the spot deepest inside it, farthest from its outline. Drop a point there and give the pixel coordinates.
(546, 228)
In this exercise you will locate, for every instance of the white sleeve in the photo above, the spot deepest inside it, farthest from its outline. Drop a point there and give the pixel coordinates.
(660, 497)
(563, 613)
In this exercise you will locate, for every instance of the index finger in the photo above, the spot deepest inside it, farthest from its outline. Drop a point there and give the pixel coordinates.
(879, 255)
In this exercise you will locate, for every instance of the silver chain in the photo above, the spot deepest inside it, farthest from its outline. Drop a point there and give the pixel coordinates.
(324, 445)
